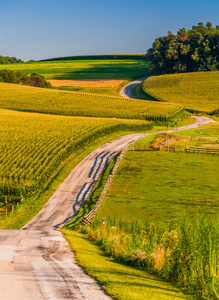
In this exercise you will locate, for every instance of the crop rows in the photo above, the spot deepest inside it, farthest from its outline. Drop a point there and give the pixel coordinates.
(33, 147)
(49, 101)
(198, 91)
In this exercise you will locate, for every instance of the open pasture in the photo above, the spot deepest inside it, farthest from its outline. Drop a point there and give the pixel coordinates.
(24, 98)
(198, 91)
(161, 186)
(84, 69)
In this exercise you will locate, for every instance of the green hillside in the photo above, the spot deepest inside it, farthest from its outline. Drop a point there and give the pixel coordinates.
(84, 69)
(24, 98)
(198, 91)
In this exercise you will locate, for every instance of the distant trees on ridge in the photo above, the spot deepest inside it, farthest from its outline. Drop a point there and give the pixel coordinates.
(187, 51)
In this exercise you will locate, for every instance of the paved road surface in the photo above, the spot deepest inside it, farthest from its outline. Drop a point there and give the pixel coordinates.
(35, 262)
(126, 91)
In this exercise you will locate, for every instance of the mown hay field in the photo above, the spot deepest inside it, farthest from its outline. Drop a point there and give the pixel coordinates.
(34, 146)
(31, 99)
(84, 69)
(198, 91)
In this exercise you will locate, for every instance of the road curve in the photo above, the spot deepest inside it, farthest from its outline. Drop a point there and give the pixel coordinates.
(126, 91)
(36, 260)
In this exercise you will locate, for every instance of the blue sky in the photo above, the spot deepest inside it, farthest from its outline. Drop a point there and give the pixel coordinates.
(51, 28)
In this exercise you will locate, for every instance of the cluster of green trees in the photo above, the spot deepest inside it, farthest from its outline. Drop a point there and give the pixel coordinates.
(187, 51)
(9, 60)
(18, 77)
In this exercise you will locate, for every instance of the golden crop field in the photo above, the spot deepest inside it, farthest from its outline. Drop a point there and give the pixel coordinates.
(34, 146)
(32, 99)
(198, 91)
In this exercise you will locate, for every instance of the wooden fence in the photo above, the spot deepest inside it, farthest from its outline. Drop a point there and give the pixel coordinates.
(87, 219)
(202, 150)
(10, 203)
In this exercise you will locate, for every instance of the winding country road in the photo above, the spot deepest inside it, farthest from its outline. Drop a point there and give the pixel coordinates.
(36, 262)
(126, 91)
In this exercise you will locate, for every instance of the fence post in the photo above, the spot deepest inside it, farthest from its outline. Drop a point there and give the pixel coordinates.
(12, 209)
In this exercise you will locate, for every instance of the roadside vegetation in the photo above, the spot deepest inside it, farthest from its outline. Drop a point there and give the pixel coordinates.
(185, 253)
(197, 92)
(121, 281)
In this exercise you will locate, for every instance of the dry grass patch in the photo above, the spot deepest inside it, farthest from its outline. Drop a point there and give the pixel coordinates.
(87, 83)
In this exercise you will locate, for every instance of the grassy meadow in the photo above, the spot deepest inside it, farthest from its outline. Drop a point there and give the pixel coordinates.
(84, 69)
(198, 91)
(161, 186)
(31, 99)
(162, 217)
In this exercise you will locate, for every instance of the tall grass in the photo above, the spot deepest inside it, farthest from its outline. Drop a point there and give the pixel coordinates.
(186, 253)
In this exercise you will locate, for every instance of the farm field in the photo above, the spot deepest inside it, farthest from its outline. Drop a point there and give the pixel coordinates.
(161, 186)
(161, 212)
(39, 144)
(110, 87)
(84, 69)
(198, 91)
(24, 98)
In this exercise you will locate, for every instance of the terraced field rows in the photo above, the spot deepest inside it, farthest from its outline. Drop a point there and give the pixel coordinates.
(23, 98)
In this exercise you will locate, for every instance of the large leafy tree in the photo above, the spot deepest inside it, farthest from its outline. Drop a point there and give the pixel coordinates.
(194, 50)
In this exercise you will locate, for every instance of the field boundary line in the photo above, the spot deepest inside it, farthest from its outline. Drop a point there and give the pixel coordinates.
(87, 219)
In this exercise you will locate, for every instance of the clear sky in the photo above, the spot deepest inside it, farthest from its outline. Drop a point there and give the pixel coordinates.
(53, 28)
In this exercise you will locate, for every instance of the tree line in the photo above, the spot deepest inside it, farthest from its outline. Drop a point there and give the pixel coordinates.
(9, 60)
(18, 77)
(191, 50)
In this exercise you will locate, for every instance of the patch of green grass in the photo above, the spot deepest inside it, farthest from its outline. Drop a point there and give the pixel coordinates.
(209, 130)
(160, 186)
(84, 69)
(120, 281)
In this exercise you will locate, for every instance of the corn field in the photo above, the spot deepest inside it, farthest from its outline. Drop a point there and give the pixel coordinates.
(33, 147)
(48, 101)
(198, 91)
